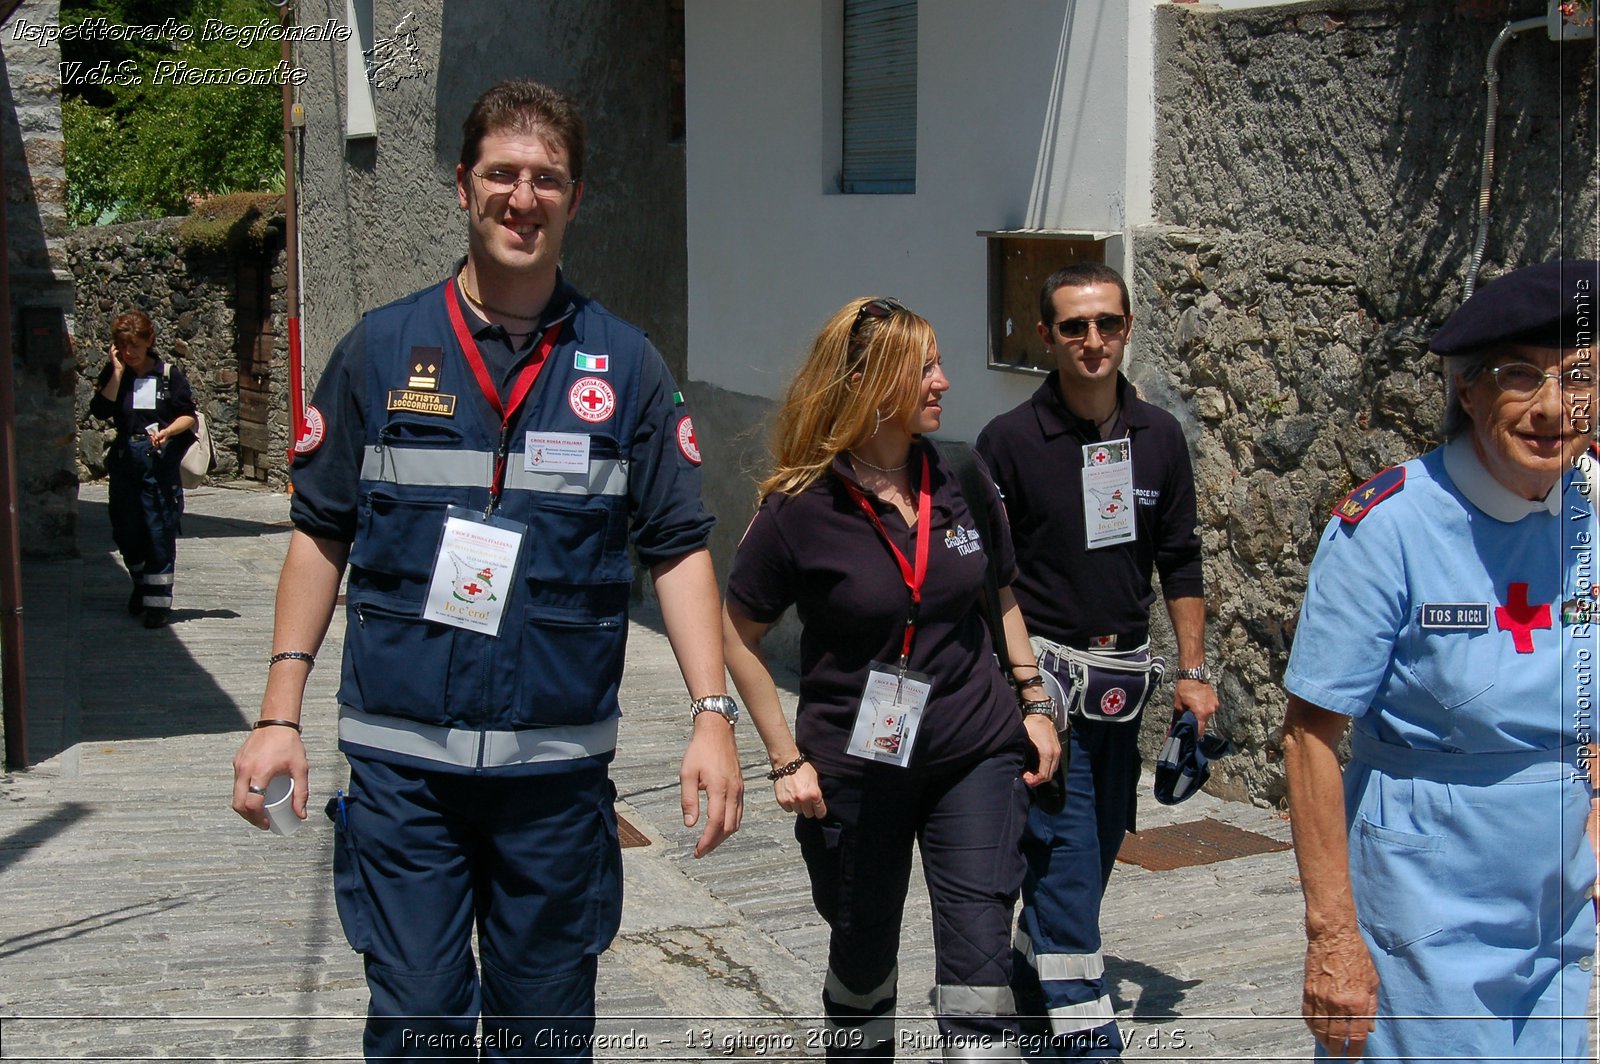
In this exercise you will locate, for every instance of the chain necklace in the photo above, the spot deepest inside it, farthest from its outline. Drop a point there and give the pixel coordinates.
(891, 469)
(461, 279)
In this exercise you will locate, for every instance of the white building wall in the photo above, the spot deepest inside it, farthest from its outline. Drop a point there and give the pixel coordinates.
(1024, 119)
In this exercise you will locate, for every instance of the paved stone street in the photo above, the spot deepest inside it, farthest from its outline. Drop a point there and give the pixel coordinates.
(143, 920)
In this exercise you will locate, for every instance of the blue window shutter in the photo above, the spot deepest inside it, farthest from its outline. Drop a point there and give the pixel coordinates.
(880, 96)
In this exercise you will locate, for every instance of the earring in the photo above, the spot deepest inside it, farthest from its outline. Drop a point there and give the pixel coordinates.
(877, 424)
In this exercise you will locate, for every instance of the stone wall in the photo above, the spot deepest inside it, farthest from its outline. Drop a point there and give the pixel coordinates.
(193, 299)
(1317, 186)
(40, 286)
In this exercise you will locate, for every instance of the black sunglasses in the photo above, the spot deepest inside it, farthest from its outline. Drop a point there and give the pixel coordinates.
(1105, 325)
(875, 308)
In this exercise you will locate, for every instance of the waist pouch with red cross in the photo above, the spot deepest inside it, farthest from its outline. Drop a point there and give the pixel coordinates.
(1106, 685)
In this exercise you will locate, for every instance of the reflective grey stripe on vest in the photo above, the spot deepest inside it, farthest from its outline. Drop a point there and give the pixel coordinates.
(435, 467)
(466, 748)
(430, 466)
(607, 476)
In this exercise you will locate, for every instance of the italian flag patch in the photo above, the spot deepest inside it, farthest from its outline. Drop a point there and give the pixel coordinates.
(592, 363)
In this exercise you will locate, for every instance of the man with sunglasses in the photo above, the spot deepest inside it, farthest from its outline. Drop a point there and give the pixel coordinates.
(483, 453)
(1100, 493)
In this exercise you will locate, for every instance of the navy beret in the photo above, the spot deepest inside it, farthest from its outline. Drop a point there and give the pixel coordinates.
(1548, 305)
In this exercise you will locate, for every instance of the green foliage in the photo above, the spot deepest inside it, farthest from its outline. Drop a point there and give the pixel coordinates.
(138, 149)
(234, 222)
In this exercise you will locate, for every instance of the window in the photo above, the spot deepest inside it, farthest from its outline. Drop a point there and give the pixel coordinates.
(1020, 260)
(880, 96)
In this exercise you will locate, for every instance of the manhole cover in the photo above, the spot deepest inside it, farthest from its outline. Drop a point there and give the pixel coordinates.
(1195, 843)
(629, 835)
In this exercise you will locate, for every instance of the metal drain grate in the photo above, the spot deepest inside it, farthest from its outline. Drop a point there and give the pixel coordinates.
(629, 835)
(1195, 843)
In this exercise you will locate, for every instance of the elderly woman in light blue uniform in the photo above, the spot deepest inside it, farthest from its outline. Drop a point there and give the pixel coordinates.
(1449, 615)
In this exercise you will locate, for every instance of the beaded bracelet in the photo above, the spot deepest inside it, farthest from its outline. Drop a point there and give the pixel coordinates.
(788, 770)
(292, 655)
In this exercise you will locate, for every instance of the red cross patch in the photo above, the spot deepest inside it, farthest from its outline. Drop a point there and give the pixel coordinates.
(1113, 702)
(686, 441)
(311, 435)
(592, 399)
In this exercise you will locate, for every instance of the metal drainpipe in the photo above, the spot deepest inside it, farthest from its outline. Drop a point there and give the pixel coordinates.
(11, 659)
(1491, 76)
(291, 247)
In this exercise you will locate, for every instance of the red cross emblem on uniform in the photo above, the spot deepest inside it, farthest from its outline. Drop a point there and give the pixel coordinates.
(1113, 701)
(592, 399)
(1520, 618)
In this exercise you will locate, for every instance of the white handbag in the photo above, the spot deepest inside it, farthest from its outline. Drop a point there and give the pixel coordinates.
(201, 457)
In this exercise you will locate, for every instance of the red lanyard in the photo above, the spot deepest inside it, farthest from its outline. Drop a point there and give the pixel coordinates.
(519, 391)
(913, 577)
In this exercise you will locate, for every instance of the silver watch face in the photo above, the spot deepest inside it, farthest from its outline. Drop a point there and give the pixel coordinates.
(723, 705)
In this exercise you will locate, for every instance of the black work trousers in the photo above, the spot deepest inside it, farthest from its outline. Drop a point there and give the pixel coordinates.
(967, 821)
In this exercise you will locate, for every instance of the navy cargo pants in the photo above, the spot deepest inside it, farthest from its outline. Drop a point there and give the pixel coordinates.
(531, 861)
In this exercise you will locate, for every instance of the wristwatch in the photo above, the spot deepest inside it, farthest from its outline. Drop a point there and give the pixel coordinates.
(1199, 672)
(722, 705)
(1044, 707)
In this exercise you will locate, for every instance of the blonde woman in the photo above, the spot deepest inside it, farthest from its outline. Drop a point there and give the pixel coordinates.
(906, 728)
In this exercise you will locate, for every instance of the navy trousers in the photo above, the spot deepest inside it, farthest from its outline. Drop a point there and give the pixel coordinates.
(532, 862)
(146, 505)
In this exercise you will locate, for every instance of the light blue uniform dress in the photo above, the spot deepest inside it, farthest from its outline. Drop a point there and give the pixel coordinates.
(1450, 620)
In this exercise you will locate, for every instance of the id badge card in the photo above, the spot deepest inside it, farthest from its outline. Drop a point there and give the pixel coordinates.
(1108, 493)
(555, 452)
(891, 708)
(473, 571)
(144, 393)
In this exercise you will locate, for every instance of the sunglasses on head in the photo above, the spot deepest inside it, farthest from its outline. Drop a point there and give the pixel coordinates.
(1105, 325)
(875, 308)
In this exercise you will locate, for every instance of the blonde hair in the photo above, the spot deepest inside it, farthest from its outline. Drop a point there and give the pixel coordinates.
(827, 410)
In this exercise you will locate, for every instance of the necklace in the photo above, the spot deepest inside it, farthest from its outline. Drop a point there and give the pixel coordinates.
(881, 469)
(461, 279)
(1111, 419)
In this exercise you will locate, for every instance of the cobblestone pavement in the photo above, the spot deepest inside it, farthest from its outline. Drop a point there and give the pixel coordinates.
(143, 920)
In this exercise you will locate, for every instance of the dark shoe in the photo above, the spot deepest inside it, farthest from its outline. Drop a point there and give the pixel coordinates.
(155, 618)
(136, 601)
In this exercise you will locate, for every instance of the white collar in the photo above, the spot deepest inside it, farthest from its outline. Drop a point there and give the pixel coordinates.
(1480, 487)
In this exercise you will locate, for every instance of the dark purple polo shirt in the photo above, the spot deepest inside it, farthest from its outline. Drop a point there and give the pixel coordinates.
(818, 551)
(1067, 592)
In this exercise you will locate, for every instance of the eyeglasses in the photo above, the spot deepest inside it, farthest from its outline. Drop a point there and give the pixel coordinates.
(1106, 325)
(505, 182)
(1521, 379)
(875, 308)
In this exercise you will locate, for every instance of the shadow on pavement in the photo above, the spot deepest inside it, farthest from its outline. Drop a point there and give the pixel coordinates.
(1159, 996)
(19, 842)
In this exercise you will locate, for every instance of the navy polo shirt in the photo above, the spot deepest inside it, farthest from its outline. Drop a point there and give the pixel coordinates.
(1068, 593)
(817, 551)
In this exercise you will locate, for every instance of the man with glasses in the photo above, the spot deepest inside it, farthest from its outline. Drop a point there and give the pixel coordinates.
(482, 453)
(1100, 493)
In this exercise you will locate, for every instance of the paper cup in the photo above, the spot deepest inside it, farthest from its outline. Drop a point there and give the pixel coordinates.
(280, 806)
